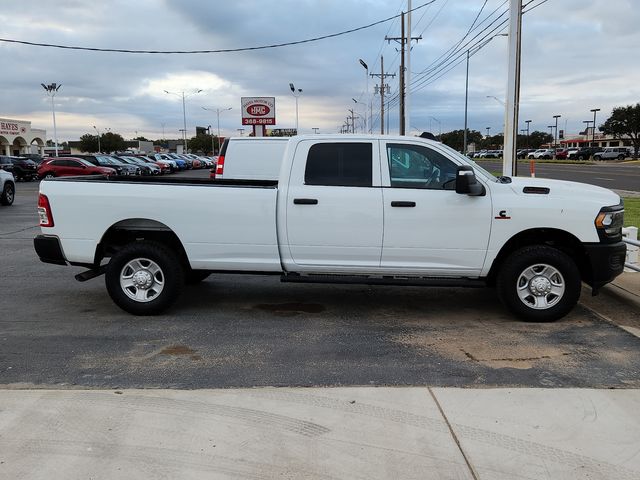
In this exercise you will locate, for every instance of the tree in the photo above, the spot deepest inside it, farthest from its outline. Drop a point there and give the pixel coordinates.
(202, 143)
(538, 138)
(455, 138)
(89, 143)
(141, 139)
(624, 123)
(111, 142)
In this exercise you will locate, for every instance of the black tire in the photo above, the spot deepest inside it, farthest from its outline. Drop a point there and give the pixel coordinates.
(8, 194)
(621, 157)
(581, 157)
(193, 277)
(597, 157)
(532, 258)
(171, 276)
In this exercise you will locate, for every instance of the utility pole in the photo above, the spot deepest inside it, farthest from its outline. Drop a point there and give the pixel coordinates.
(404, 44)
(353, 120)
(381, 89)
(512, 107)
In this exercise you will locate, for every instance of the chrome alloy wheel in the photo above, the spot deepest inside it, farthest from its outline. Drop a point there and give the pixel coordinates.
(9, 193)
(540, 286)
(142, 280)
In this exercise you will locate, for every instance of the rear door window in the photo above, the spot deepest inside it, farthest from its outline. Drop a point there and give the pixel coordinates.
(340, 165)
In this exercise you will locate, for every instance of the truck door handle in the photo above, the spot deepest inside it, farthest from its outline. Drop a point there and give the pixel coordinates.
(305, 201)
(403, 204)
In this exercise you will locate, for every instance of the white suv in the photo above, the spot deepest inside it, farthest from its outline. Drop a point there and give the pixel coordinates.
(612, 152)
(7, 188)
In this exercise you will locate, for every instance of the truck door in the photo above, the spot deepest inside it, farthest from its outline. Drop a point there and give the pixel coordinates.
(428, 227)
(334, 206)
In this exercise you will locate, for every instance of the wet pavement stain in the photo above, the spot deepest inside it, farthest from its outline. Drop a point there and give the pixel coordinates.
(290, 309)
(178, 350)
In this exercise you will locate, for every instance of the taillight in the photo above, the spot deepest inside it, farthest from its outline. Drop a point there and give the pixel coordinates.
(44, 211)
(220, 165)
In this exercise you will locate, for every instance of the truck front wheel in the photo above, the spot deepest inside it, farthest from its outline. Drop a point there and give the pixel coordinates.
(144, 278)
(539, 283)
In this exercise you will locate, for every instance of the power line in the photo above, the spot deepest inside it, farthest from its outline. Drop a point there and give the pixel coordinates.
(222, 50)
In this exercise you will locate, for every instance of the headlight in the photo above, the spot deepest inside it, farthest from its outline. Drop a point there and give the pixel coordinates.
(609, 222)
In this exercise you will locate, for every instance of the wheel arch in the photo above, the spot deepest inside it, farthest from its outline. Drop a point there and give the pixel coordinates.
(557, 238)
(132, 230)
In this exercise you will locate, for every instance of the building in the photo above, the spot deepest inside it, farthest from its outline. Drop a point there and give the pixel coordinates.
(586, 139)
(17, 138)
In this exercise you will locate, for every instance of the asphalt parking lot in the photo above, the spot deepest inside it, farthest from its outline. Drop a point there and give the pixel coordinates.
(244, 331)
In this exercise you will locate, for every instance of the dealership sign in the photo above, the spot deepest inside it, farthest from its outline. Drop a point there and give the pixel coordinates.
(258, 110)
(12, 128)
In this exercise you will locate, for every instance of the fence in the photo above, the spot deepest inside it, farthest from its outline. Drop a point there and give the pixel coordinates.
(630, 237)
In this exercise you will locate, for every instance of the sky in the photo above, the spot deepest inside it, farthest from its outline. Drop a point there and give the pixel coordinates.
(576, 55)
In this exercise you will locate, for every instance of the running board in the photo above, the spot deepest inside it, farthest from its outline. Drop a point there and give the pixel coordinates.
(385, 280)
(89, 274)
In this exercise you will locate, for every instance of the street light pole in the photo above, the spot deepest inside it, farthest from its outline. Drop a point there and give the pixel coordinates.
(527, 122)
(555, 141)
(51, 90)
(466, 88)
(217, 110)
(98, 132)
(184, 112)
(593, 141)
(366, 95)
(296, 94)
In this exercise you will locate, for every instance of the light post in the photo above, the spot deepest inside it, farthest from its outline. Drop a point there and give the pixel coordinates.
(587, 123)
(366, 96)
(555, 141)
(296, 93)
(466, 88)
(593, 141)
(184, 114)
(51, 90)
(496, 99)
(439, 126)
(527, 122)
(98, 135)
(217, 110)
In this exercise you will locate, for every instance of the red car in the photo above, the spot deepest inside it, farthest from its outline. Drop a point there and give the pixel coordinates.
(561, 153)
(70, 166)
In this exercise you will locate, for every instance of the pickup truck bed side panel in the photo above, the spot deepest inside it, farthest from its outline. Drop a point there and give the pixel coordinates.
(195, 213)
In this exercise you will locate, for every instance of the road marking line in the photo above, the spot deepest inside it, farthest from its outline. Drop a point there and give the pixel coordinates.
(602, 178)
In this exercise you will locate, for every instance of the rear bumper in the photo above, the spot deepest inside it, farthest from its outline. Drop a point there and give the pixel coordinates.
(606, 261)
(49, 249)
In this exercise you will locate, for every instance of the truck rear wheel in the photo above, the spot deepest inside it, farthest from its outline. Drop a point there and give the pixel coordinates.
(539, 283)
(144, 278)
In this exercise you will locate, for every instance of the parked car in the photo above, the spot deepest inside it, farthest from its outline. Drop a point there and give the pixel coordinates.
(584, 153)
(145, 169)
(120, 167)
(7, 188)
(610, 153)
(543, 153)
(493, 154)
(570, 152)
(182, 163)
(176, 164)
(21, 167)
(561, 153)
(69, 167)
(164, 167)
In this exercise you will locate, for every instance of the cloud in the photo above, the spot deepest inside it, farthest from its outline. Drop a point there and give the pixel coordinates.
(577, 55)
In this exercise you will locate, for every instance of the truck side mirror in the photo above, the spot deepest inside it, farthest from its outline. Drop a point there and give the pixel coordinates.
(467, 183)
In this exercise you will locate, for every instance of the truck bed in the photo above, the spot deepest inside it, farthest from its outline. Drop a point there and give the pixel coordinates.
(223, 225)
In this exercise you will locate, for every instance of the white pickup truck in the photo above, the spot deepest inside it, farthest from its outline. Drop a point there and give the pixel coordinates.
(346, 209)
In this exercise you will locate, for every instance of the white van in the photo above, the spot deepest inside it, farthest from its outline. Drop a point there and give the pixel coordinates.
(250, 158)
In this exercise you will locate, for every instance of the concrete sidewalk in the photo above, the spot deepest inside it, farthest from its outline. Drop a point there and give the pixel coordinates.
(329, 433)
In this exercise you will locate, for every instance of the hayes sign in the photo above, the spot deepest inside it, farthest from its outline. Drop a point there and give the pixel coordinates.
(258, 110)
(11, 128)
